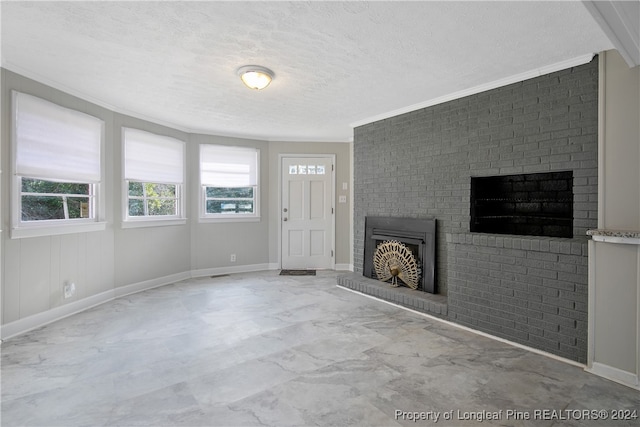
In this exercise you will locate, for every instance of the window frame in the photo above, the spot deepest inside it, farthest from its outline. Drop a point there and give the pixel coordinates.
(205, 217)
(129, 221)
(152, 220)
(51, 227)
(238, 214)
(89, 196)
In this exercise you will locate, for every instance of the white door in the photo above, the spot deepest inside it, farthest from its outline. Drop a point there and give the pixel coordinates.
(307, 212)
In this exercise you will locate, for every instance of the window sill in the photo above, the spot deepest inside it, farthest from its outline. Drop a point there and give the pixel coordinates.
(140, 223)
(56, 230)
(229, 219)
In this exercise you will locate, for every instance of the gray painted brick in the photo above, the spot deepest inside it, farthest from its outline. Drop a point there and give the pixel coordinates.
(547, 274)
(570, 277)
(544, 256)
(544, 324)
(544, 343)
(527, 296)
(419, 165)
(561, 339)
(544, 291)
(559, 302)
(560, 285)
(573, 314)
(543, 308)
(560, 320)
(520, 269)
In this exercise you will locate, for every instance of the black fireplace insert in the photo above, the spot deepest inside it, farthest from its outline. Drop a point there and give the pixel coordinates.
(417, 234)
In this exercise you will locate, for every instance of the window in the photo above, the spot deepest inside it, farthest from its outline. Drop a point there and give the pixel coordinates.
(46, 200)
(306, 169)
(57, 170)
(229, 200)
(229, 181)
(152, 199)
(153, 176)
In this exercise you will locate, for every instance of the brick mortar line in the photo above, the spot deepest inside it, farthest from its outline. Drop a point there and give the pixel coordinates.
(492, 242)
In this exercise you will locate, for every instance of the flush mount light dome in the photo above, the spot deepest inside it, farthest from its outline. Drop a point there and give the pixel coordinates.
(255, 76)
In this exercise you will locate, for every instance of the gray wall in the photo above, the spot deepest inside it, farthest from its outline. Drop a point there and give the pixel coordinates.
(119, 260)
(419, 164)
(614, 281)
(143, 253)
(34, 269)
(212, 243)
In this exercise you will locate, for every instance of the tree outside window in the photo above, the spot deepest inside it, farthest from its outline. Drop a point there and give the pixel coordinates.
(47, 200)
(56, 168)
(229, 200)
(153, 176)
(229, 180)
(151, 199)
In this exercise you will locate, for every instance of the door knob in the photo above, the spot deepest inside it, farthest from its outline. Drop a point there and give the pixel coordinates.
(285, 209)
(285, 219)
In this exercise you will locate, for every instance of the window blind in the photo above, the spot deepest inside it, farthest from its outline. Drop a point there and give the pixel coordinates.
(152, 158)
(56, 143)
(223, 166)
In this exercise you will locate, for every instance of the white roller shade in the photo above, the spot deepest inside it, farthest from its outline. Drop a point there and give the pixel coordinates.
(222, 166)
(153, 158)
(53, 142)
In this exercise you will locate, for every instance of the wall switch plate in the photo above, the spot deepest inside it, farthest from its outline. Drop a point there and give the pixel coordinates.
(345, 186)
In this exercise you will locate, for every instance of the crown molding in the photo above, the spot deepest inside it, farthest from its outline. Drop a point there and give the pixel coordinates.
(573, 62)
(620, 21)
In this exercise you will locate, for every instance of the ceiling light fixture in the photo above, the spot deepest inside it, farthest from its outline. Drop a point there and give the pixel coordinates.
(255, 76)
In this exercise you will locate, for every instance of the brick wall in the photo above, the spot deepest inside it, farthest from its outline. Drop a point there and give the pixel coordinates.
(528, 290)
(419, 164)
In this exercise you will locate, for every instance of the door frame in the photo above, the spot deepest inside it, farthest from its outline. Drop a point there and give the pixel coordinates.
(332, 232)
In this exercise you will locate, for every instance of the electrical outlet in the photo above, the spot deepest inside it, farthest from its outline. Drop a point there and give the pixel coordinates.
(233, 257)
(69, 289)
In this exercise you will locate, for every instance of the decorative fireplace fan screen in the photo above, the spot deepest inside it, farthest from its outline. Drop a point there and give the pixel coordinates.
(393, 260)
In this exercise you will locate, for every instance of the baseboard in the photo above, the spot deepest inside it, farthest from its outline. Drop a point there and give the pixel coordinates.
(628, 379)
(468, 329)
(344, 267)
(30, 323)
(216, 271)
(150, 284)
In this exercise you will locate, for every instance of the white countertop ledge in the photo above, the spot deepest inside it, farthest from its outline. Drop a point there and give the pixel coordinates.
(625, 237)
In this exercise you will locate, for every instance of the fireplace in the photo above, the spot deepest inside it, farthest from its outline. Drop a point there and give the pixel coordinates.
(417, 234)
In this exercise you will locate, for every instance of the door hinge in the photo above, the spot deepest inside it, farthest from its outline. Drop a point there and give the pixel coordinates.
(331, 211)
(332, 254)
(331, 168)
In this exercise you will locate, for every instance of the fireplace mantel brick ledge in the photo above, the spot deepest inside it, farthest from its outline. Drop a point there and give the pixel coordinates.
(424, 302)
(558, 245)
(615, 236)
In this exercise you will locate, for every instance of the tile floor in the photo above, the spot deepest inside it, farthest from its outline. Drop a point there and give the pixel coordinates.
(259, 349)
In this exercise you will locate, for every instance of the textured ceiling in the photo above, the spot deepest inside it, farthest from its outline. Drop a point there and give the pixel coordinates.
(336, 63)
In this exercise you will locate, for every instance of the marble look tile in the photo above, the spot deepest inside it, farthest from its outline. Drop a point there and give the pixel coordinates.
(267, 350)
(316, 400)
(171, 405)
(238, 382)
